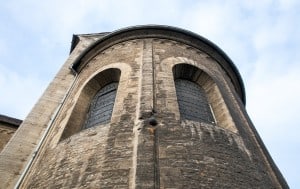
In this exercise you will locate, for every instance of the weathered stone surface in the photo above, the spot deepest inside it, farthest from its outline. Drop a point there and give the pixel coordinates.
(147, 143)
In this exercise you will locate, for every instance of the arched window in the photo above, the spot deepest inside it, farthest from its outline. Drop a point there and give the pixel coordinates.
(101, 107)
(199, 98)
(192, 101)
(95, 103)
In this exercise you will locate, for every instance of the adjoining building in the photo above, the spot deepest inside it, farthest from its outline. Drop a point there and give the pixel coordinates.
(8, 127)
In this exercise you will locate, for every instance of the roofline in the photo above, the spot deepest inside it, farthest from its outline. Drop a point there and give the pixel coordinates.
(75, 41)
(10, 120)
(168, 32)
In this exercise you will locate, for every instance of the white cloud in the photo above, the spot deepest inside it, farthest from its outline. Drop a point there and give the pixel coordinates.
(18, 93)
(288, 4)
(273, 99)
(273, 105)
(209, 19)
(2, 47)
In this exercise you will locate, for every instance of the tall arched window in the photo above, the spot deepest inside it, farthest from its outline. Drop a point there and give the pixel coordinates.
(199, 98)
(101, 107)
(192, 101)
(95, 103)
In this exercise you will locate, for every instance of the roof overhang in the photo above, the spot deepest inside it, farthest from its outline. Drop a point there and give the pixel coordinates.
(164, 32)
(10, 121)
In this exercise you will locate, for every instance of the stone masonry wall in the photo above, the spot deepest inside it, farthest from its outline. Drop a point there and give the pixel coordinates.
(102, 155)
(193, 155)
(147, 145)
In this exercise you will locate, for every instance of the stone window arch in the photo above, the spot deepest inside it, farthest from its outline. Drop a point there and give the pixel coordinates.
(219, 114)
(91, 108)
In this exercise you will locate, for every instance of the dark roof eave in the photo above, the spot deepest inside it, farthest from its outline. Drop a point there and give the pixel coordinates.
(12, 121)
(191, 35)
(75, 41)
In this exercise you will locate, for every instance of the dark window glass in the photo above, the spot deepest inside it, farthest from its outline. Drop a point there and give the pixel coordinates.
(192, 101)
(102, 106)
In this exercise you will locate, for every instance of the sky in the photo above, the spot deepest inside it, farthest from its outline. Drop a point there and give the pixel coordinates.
(262, 37)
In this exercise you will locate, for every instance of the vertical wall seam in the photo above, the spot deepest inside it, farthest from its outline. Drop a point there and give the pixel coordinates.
(156, 160)
(156, 139)
(153, 77)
